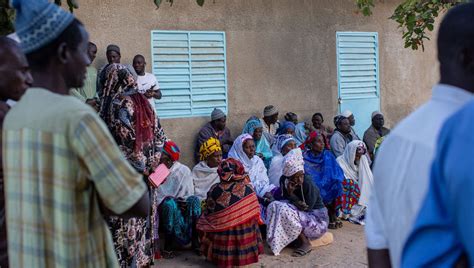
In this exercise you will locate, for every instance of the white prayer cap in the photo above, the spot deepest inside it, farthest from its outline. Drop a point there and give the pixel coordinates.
(376, 113)
(346, 113)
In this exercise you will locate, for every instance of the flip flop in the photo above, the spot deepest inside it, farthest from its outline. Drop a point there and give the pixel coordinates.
(301, 252)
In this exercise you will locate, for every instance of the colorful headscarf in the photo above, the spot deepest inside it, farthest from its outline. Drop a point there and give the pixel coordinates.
(293, 162)
(338, 119)
(231, 169)
(281, 141)
(283, 129)
(300, 133)
(172, 150)
(252, 124)
(311, 138)
(209, 147)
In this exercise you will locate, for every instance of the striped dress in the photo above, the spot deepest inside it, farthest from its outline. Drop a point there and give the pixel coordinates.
(230, 234)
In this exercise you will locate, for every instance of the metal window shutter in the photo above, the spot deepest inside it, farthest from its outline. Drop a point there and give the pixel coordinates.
(357, 65)
(191, 70)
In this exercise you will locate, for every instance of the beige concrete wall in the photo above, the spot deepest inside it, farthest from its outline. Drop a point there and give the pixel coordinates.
(279, 52)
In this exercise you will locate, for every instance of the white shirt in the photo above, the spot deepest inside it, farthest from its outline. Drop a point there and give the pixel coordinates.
(147, 81)
(144, 83)
(402, 169)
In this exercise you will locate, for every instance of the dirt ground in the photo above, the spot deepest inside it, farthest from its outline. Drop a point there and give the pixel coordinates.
(347, 250)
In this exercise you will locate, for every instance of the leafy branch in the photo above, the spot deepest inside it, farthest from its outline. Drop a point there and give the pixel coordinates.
(414, 17)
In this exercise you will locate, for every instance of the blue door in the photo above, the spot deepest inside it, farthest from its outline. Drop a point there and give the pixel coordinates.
(358, 76)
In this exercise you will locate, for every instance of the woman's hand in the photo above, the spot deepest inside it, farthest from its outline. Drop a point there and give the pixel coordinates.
(301, 205)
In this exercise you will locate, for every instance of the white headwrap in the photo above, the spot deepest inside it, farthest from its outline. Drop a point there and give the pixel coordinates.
(346, 113)
(254, 167)
(361, 173)
(293, 162)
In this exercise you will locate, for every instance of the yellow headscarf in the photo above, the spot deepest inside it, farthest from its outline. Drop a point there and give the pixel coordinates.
(211, 146)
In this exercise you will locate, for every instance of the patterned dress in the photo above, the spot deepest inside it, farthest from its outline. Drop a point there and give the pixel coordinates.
(136, 129)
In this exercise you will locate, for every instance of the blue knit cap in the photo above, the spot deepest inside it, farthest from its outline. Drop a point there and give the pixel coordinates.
(39, 22)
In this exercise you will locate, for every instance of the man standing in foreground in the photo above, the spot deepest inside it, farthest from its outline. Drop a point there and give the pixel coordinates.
(444, 235)
(61, 165)
(16, 78)
(402, 168)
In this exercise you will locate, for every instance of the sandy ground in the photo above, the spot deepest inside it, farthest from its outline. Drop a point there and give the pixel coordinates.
(347, 250)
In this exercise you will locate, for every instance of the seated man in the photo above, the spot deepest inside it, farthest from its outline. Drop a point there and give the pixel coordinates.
(349, 115)
(270, 123)
(179, 209)
(375, 132)
(216, 129)
(205, 172)
(342, 135)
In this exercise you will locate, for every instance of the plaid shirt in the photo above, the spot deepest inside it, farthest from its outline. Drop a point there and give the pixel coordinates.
(60, 162)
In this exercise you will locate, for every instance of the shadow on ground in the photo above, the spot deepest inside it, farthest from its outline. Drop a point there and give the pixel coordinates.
(347, 250)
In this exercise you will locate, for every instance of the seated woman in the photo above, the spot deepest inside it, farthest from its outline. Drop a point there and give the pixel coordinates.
(283, 144)
(244, 151)
(287, 127)
(321, 166)
(317, 120)
(301, 216)
(357, 184)
(254, 127)
(179, 209)
(301, 133)
(205, 172)
(236, 242)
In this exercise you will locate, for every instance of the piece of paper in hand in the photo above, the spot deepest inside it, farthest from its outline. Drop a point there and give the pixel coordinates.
(159, 175)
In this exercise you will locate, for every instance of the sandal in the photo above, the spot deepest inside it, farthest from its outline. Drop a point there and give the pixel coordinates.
(332, 225)
(339, 224)
(168, 254)
(301, 252)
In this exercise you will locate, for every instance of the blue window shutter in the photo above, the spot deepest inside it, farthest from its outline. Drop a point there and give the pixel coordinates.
(358, 65)
(191, 70)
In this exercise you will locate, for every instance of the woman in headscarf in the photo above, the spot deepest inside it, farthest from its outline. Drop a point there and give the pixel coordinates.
(358, 182)
(317, 120)
(300, 133)
(134, 126)
(254, 127)
(321, 166)
(179, 208)
(283, 144)
(205, 172)
(301, 216)
(244, 151)
(230, 223)
(286, 127)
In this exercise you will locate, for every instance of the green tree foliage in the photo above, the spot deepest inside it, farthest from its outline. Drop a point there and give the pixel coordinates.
(414, 17)
(6, 18)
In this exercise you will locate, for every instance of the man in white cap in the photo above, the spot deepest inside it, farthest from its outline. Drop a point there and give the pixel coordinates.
(216, 128)
(349, 115)
(62, 168)
(375, 132)
(270, 122)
